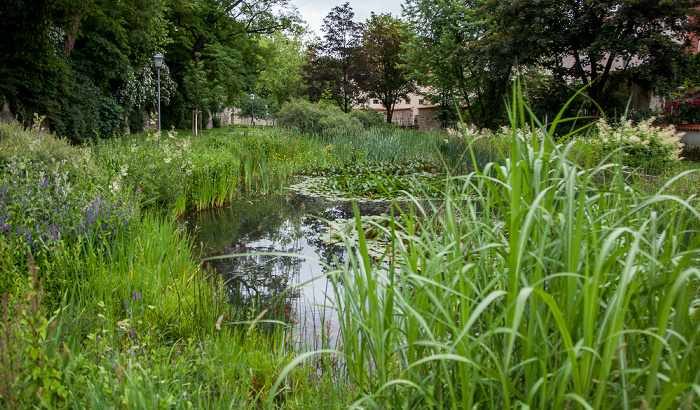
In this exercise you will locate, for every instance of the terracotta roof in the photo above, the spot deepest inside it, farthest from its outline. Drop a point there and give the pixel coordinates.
(435, 105)
(408, 107)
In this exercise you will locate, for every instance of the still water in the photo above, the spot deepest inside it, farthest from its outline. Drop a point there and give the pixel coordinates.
(289, 289)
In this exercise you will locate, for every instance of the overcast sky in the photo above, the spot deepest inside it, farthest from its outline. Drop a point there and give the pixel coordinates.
(313, 11)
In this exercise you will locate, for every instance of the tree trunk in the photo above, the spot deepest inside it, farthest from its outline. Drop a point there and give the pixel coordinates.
(73, 34)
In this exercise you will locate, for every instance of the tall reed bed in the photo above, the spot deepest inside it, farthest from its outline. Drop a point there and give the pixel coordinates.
(544, 290)
(175, 172)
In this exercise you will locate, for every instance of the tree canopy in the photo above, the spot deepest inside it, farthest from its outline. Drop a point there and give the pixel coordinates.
(447, 54)
(333, 64)
(81, 61)
(588, 42)
(382, 73)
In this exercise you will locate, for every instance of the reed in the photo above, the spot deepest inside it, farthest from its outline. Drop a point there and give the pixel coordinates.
(544, 290)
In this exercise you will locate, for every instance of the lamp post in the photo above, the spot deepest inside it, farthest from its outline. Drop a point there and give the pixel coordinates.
(266, 115)
(252, 109)
(158, 61)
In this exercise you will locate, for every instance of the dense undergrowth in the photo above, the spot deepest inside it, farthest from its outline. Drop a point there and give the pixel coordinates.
(545, 275)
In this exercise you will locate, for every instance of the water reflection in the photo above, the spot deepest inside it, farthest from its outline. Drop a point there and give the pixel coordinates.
(259, 282)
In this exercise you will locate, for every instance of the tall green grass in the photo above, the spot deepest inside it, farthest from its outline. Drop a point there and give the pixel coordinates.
(105, 303)
(545, 290)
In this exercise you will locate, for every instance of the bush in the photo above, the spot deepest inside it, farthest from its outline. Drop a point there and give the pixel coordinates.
(308, 117)
(644, 146)
(682, 107)
(216, 122)
(112, 123)
(79, 119)
(368, 117)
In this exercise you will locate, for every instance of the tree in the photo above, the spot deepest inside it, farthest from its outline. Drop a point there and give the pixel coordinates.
(32, 72)
(225, 36)
(280, 80)
(332, 64)
(382, 74)
(588, 41)
(446, 53)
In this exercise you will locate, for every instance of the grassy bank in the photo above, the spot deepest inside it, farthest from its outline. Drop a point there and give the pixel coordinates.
(545, 276)
(106, 304)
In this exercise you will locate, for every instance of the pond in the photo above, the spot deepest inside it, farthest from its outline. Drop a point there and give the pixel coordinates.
(265, 285)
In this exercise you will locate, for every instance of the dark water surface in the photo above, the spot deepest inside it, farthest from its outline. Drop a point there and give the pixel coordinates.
(285, 223)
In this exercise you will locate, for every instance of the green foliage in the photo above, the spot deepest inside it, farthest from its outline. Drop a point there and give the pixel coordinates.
(111, 119)
(30, 366)
(383, 74)
(523, 287)
(373, 180)
(309, 117)
(334, 64)
(280, 81)
(79, 118)
(595, 33)
(368, 117)
(215, 122)
(457, 52)
(643, 146)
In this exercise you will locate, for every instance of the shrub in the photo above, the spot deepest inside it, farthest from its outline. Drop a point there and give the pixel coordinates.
(683, 107)
(79, 117)
(368, 117)
(216, 121)
(643, 146)
(308, 117)
(112, 122)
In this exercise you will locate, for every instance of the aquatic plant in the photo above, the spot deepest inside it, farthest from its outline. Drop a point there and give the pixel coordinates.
(545, 289)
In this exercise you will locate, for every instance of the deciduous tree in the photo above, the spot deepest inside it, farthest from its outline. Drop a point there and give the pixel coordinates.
(446, 54)
(587, 41)
(333, 63)
(382, 74)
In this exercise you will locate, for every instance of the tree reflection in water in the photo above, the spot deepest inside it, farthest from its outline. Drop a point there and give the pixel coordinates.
(258, 282)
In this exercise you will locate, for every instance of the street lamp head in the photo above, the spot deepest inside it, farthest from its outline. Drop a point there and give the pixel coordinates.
(252, 96)
(158, 60)
(265, 106)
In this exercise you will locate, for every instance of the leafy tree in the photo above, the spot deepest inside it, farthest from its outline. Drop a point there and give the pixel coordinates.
(32, 73)
(446, 53)
(590, 42)
(203, 94)
(225, 36)
(382, 74)
(333, 64)
(280, 79)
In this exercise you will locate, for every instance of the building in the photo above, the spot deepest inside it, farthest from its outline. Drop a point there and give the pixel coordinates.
(414, 112)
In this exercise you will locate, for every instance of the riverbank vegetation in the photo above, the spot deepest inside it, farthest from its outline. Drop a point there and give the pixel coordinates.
(545, 274)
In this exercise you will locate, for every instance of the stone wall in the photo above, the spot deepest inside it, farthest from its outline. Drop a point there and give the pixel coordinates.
(403, 117)
(427, 119)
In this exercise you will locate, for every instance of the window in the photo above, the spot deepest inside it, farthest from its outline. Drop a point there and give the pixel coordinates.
(375, 101)
(421, 102)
